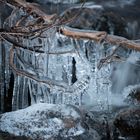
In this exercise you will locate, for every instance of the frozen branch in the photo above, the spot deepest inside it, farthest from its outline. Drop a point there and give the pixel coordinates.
(46, 80)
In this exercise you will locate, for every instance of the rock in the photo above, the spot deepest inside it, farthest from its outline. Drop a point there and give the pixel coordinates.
(90, 135)
(132, 95)
(7, 136)
(43, 121)
(127, 122)
(97, 122)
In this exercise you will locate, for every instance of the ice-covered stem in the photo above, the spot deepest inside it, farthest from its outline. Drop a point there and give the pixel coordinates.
(85, 34)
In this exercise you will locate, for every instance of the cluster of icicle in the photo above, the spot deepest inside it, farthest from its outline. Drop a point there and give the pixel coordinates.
(69, 62)
(63, 63)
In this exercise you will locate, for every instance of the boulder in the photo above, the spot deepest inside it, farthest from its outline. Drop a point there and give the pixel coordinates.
(43, 121)
(7, 136)
(127, 122)
(132, 95)
(98, 122)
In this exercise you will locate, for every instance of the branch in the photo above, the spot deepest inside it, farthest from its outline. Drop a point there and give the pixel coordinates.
(85, 34)
(31, 8)
(107, 58)
(99, 36)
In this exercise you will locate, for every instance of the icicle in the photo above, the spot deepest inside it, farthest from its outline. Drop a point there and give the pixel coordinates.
(25, 93)
(31, 91)
(45, 57)
(14, 99)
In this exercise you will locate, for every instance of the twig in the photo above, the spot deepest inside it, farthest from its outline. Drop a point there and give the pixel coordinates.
(107, 58)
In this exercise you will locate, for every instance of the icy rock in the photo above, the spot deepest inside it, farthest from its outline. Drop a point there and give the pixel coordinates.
(128, 122)
(43, 121)
(132, 95)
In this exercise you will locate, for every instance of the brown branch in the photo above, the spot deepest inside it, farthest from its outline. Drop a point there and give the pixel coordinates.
(98, 36)
(32, 8)
(76, 33)
(117, 40)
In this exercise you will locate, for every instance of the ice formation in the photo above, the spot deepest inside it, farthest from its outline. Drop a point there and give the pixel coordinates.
(58, 70)
(57, 66)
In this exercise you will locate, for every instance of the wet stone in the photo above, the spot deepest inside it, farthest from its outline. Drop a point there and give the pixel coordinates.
(133, 96)
(128, 122)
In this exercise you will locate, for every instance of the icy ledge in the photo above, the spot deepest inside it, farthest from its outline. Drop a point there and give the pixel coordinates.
(43, 121)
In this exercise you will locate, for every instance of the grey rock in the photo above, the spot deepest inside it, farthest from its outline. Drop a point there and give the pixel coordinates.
(43, 121)
(127, 122)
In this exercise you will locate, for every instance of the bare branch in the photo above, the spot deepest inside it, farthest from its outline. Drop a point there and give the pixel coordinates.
(32, 8)
(76, 33)
(99, 36)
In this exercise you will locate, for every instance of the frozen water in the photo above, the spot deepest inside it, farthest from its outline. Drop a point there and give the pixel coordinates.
(90, 85)
(60, 70)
